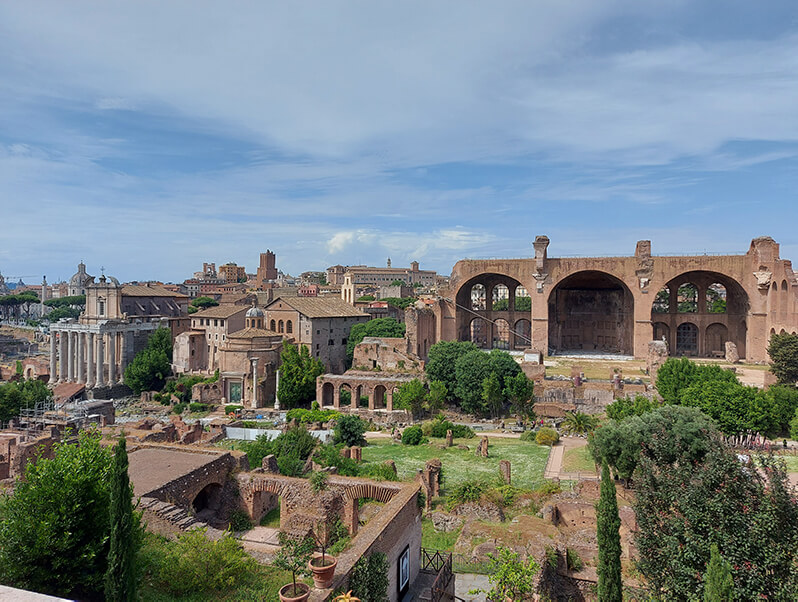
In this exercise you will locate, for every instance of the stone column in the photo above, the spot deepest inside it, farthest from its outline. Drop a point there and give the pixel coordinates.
(70, 356)
(62, 356)
(277, 391)
(90, 360)
(254, 362)
(53, 358)
(100, 381)
(127, 352)
(389, 400)
(111, 358)
(79, 360)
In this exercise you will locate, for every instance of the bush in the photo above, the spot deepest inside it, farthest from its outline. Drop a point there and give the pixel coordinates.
(378, 471)
(196, 565)
(412, 435)
(232, 408)
(349, 430)
(369, 578)
(459, 431)
(178, 408)
(528, 436)
(198, 407)
(291, 448)
(572, 560)
(330, 455)
(307, 416)
(239, 521)
(549, 488)
(467, 491)
(546, 436)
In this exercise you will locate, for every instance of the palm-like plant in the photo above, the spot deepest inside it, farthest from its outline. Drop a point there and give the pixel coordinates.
(347, 597)
(579, 423)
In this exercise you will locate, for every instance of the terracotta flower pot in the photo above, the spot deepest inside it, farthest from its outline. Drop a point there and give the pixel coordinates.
(287, 593)
(322, 575)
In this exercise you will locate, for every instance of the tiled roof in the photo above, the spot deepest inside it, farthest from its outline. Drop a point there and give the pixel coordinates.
(320, 307)
(220, 311)
(251, 333)
(139, 290)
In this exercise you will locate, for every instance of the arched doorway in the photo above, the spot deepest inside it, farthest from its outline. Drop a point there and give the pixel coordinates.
(662, 332)
(479, 333)
(501, 334)
(208, 500)
(523, 334)
(327, 392)
(345, 396)
(716, 337)
(687, 339)
(591, 312)
(379, 397)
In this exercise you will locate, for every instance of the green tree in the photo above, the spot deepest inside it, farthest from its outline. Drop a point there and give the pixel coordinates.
(349, 430)
(152, 365)
(77, 301)
(397, 282)
(683, 507)
(783, 402)
(441, 363)
(492, 394)
(794, 427)
(783, 351)
(718, 583)
(120, 577)
(520, 390)
(436, 396)
(411, 396)
(399, 302)
(293, 556)
(579, 423)
(735, 408)
(204, 302)
(625, 407)
(510, 577)
(381, 327)
(369, 578)
(608, 524)
(54, 529)
(21, 394)
(366, 298)
(471, 370)
(298, 373)
(675, 375)
(521, 304)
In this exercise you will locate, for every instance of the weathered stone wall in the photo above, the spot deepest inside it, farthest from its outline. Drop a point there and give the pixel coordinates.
(386, 353)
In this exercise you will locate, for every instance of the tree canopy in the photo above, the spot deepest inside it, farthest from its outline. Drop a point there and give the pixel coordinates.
(381, 327)
(204, 302)
(152, 365)
(441, 361)
(783, 351)
(298, 372)
(21, 394)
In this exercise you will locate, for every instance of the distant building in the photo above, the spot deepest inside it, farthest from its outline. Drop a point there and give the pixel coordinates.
(231, 272)
(78, 282)
(267, 270)
(376, 276)
(321, 323)
(197, 350)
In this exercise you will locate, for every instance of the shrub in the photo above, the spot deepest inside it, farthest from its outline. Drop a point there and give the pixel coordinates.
(378, 471)
(546, 436)
(198, 407)
(572, 560)
(330, 455)
(467, 491)
(349, 430)
(239, 521)
(196, 565)
(179, 408)
(232, 408)
(549, 488)
(412, 435)
(318, 481)
(307, 416)
(369, 577)
(528, 436)
(460, 431)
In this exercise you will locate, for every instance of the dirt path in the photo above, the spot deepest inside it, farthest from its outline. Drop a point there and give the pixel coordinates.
(556, 455)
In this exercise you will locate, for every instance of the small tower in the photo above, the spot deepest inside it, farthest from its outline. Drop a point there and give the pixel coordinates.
(389, 262)
(254, 317)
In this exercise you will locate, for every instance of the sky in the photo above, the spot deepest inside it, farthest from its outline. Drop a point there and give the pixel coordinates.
(149, 137)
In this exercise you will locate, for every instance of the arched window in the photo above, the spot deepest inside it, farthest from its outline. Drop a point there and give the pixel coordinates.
(272, 326)
(687, 339)
(501, 298)
(478, 297)
(289, 326)
(716, 299)
(662, 302)
(687, 298)
(280, 326)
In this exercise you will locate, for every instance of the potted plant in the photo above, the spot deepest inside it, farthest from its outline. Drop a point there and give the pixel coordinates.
(347, 597)
(322, 565)
(293, 556)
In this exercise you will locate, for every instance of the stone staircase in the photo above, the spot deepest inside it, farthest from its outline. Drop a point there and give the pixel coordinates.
(177, 516)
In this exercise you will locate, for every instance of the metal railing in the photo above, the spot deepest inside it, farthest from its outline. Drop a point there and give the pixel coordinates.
(435, 561)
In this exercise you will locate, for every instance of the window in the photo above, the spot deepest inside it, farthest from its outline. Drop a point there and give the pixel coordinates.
(343, 341)
(272, 326)
(317, 346)
(221, 323)
(100, 306)
(331, 342)
(280, 326)
(318, 332)
(289, 326)
(216, 322)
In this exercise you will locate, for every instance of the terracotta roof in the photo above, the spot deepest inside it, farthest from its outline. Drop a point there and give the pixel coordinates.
(66, 391)
(220, 311)
(140, 290)
(251, 333)
(320, 307)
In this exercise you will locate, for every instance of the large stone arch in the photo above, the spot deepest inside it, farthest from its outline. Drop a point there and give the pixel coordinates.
(700, 313)
(500, 296)
(591, 312)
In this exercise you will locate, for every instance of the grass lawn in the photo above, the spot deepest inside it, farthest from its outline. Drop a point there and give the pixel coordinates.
(437, 540)
(791, 462)
(578, 460)
(528, 460)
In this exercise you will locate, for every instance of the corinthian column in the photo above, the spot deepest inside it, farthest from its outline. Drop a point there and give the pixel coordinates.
(62, 356)
(112, 358)
(71, 356)
(53, 357)
(79, 358)
(90, 361)
(100, 361)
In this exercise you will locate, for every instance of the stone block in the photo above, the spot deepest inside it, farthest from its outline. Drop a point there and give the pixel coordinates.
(732, 355)
(504, 469)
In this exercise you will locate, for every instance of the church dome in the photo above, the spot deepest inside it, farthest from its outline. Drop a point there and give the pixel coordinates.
(254, 312)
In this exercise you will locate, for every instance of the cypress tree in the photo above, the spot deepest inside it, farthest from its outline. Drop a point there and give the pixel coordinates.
(608, 523)
(120, 577)
(718, 584)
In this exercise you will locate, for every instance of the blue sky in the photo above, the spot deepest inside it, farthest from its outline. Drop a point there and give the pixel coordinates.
(148, 137)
